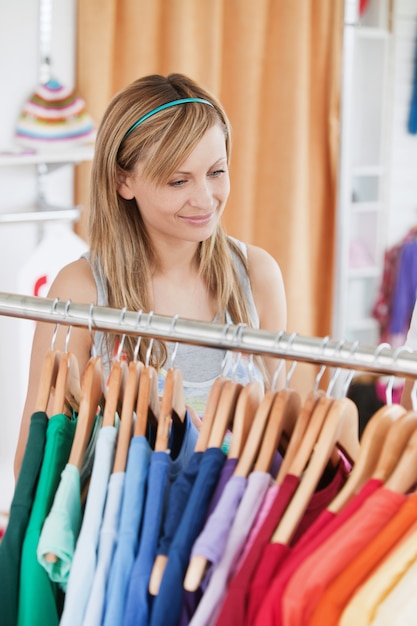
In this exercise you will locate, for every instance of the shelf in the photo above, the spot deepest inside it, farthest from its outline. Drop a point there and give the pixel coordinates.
(371, 32)
(368, 170)
(365, 324)
(25, 217)
(366, 207)
(364, 272)
(76, 154)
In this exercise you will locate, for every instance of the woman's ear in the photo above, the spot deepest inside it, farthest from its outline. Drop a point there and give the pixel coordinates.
(124, 186)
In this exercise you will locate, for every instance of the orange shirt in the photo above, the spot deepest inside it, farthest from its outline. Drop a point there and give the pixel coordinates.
(334, 599)
(312, 578)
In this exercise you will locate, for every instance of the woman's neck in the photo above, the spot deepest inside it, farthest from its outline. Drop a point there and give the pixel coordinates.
(182, 291)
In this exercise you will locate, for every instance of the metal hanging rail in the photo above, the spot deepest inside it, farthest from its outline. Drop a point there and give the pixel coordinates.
(334, 353)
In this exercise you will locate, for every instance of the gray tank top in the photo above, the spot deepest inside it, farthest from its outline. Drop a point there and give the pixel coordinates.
(200, 366)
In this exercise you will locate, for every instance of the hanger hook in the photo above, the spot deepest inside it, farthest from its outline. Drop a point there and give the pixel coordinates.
(282, 361)
(236, 338)
(66, 311)
(323, 367)
(149, 350)
(277, 339)
(136, 352)
(337, 371)
(251, 367)
(390, 383)
(54, 334)
(123, 337)
(175, 350)
(350, 372)
(379, 349)
(227, 352)
(293, 364)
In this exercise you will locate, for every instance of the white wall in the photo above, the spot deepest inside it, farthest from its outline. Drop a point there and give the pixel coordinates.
(402, 150)
(19, 75)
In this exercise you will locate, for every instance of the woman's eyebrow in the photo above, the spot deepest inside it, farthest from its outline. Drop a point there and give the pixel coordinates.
(220, 160)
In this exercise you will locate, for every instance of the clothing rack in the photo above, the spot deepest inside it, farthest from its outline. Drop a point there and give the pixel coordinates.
(380, 359)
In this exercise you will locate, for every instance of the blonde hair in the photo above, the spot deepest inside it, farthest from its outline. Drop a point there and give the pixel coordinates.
(119, 244)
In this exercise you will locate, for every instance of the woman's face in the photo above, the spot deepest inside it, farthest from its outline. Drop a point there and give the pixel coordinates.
(187, 207)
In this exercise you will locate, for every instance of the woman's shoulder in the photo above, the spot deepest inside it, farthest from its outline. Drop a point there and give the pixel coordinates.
(76, 282)
(267, 287)
(262, 265)
(257, 258)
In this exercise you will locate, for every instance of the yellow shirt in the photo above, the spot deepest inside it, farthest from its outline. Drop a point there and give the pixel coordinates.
(363, 607)
(400, 606)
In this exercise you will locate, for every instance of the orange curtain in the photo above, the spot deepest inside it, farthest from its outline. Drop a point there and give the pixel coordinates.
(276, 67)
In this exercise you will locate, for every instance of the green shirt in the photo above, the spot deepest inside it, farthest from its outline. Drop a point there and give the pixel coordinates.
(24, 493)
(40, 599)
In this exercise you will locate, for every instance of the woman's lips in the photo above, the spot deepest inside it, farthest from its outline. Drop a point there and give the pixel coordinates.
(198, 220)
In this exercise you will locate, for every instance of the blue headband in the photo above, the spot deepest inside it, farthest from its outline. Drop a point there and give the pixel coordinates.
(165, 106)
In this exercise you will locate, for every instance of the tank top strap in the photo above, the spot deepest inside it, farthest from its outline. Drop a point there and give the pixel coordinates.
(245, 280)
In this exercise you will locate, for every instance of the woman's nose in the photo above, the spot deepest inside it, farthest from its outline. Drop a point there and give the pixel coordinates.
(201, 197)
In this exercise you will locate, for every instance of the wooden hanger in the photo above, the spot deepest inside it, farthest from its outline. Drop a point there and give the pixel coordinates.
(172, 410)
(147, 406)
(91, 395)
(67, 391)
(372, 457)
(305, 450)
(172, 407)
(340, 427)
(374, 436)
(256, 435)
(404, 476)
(247, 407)
(115, 391)
(309, 422)
(247, 404)
(282, 418)
(275, 413)
(209, 413)
(126, 418)
(201, 445)
(173, 394)
(394, 446)
(48, 379)
(225, 411)
(297, 435)
(222, 419)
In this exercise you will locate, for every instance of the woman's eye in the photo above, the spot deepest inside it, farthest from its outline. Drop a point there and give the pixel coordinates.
(217, 173)
(177, 183)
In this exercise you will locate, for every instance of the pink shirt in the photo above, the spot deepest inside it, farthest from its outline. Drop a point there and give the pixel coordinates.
(275, 554)
(234, 608)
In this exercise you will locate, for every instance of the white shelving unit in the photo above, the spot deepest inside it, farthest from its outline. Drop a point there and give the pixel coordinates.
(45, 162)
(73, 155)
(362, 206)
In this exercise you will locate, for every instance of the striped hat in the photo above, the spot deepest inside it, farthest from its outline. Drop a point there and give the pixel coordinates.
(54, 116)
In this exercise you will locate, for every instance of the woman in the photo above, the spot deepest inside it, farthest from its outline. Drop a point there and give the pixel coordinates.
(159, 187)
